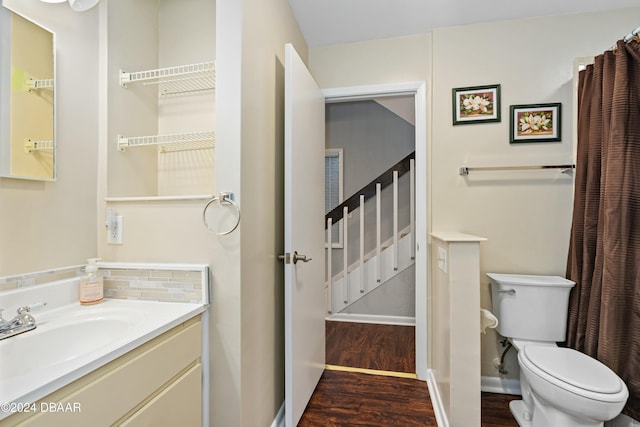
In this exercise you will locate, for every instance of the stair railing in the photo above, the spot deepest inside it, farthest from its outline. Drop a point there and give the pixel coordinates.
(357, 200)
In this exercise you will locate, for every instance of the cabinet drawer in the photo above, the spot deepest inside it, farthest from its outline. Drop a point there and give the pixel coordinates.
(180, 404)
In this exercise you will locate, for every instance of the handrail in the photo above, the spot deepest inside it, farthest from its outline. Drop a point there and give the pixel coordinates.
(369, 190)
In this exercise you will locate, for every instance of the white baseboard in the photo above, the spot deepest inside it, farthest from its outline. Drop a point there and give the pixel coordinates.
(373, 318)
(278, 421)
(500, 385)
(436, 401)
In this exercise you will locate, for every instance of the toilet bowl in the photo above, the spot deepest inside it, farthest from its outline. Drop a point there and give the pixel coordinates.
(568, 388)
(561, 387)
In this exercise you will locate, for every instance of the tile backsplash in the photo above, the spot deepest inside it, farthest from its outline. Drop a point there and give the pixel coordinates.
(40, 277)
(152, 284)
(141, 281)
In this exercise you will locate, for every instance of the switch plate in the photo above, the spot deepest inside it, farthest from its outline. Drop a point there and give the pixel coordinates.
(115, 230)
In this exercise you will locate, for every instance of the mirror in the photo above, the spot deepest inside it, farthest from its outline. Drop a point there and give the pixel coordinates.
(27, 100)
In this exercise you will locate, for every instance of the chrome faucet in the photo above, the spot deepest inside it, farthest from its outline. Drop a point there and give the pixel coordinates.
(22, 321)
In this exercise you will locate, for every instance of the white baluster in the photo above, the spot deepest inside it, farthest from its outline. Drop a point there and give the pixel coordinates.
(329, 267)
(395, 220)
(362, 243)
(378, 243)
(345, 277)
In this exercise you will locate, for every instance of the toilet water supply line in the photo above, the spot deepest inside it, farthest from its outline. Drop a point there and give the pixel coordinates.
(500, 366)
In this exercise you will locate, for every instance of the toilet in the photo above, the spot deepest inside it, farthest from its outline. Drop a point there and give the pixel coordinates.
(561, 387)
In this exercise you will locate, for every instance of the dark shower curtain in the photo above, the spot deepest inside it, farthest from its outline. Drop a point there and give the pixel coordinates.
(604, 251)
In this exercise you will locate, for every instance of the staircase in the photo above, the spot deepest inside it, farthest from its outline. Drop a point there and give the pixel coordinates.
(362, 279)
(388, 258)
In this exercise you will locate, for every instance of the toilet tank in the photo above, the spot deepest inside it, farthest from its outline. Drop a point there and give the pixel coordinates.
(530, 307)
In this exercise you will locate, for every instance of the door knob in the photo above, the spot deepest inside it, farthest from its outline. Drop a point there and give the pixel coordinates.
(287, 258)
(297, 257)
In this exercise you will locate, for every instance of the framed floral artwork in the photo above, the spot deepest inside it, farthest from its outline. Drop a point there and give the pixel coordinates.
(478, 104)
(535, 123)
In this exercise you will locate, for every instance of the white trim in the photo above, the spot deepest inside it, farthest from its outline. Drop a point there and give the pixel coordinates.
(372, 318)
(423, 283)
(152, 266)
(206, 368)
(500, 385)
(418, 90)
(436, 400)
(366, 92)
(278, 421)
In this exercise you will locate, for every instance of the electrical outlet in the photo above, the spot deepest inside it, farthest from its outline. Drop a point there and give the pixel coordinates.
(442, 259)
(114, 230)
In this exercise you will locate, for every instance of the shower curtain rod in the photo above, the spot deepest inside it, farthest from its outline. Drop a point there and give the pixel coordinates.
(627, 38)
(633, 33)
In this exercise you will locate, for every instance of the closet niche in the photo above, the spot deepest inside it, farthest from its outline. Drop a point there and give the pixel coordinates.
(161, 98)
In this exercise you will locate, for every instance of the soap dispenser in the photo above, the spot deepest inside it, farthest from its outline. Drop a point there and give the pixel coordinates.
(91, 286)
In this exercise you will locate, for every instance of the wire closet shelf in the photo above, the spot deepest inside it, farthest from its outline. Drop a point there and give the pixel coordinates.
(33, 84)
(181, 79)
(31, 146)
(200, 140)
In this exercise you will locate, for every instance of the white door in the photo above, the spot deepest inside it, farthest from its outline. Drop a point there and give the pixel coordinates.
(303, 236)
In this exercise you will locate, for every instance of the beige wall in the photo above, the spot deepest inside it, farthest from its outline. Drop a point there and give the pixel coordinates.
(455, 263)
(267, 25)
(186, 37)
(247, 325)
(52, 224)
(524, 215)
(130, 44)
(56, 222)
(401, 59)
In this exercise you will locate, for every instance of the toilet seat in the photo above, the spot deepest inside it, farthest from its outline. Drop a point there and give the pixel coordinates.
(575, 372)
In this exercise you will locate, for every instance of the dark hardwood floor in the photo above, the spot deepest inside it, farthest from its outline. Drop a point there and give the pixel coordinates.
(495, 410)
(371, 346)
(356, 399)
(345, 398)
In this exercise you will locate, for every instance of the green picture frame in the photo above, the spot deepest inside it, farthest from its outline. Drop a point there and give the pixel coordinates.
(535, 123)
(476, 104)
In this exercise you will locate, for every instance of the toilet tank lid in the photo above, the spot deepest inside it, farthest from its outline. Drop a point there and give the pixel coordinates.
(574, 368)
(530, 279)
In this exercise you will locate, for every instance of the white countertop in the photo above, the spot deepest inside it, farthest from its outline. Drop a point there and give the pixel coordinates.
(72, 340)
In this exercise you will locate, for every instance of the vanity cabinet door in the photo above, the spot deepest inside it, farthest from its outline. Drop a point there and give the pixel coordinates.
(177, 405)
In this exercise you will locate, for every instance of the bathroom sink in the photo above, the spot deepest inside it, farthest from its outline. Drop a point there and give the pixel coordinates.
(60, 340)
(73, 340)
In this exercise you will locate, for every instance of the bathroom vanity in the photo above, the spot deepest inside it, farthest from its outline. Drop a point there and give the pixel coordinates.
(126, 361)
(158, 383)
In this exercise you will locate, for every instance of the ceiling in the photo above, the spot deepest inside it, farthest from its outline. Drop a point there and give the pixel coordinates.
(325, 22)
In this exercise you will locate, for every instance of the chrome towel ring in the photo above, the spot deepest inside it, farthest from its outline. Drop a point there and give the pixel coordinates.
(223, 198)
